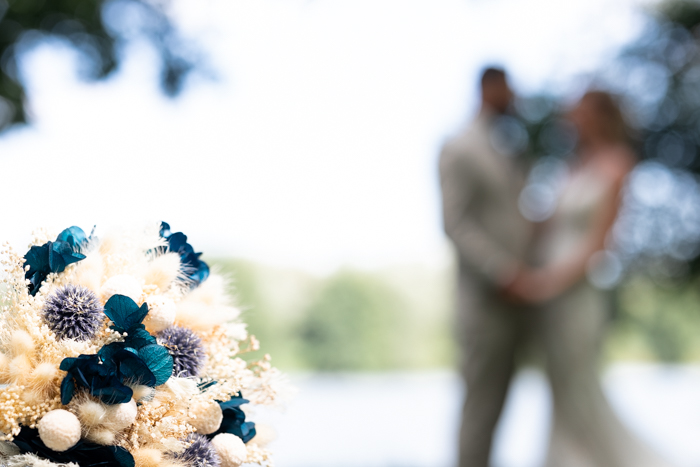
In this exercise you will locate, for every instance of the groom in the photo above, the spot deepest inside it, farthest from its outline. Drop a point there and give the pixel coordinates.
(480, 189)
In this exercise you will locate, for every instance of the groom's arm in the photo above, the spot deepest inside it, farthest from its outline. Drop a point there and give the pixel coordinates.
(475, 246)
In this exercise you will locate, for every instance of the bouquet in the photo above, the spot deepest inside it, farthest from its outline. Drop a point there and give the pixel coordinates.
(124, 350)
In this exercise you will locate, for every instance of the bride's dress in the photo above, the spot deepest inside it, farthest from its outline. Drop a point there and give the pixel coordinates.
(585, 430)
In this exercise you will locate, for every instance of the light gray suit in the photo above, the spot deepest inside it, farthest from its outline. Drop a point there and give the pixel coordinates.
(480, 189)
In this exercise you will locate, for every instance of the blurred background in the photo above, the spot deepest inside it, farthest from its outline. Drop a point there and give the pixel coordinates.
(295, 142)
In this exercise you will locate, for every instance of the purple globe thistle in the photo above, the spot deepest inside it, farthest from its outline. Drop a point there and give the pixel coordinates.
(73, 312)
(200, 453)
(185, 348)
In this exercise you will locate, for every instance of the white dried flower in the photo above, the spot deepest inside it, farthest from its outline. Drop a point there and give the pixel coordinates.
(19, 369)
(205, 417)
(122, 416)
(231, 449)
(21, 343)
(59, 430)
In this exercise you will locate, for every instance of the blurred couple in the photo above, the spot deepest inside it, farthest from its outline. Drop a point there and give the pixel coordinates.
(504, 301)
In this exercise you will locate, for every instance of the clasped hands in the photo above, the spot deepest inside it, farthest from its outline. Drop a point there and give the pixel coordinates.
(534, 285)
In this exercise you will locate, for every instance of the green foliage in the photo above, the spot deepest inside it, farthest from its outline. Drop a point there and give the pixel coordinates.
(270, 301)
(351, 320)
(353, 323)
(657, 321)
(683, 12)
(400, 318)
(92, 27)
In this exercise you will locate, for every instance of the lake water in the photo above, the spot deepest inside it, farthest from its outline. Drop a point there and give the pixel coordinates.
(411, 419)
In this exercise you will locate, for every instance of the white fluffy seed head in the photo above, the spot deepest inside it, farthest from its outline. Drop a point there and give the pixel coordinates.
(19, 369)
(122, 284)
(230, 448)
(43, 376)
(21, 343)
(148, 457)
(205, 417)
(163, 270)
(33, 397)
(161, 313)
(103, 436)
(59, 430)
(92, 413)
(121, 416)
(4, 369)
(142, 392)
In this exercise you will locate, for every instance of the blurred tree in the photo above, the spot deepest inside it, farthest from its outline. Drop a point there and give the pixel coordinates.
(353, 320)
(659, 77)
(354, 323)
(657, 322)
(658, 80)
(96, 28)
(657, 233)
(274, 328)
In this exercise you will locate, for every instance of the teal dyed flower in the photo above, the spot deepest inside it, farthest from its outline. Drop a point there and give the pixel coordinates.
(137, 360)
(195, 269)
(104, 376)
(127, 317)
(53, 256)
(234, 420)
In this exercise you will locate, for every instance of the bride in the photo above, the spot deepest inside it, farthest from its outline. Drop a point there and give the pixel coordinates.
(572, 315)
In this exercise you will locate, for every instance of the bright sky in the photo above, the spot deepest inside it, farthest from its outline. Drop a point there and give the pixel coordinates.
(315, 146)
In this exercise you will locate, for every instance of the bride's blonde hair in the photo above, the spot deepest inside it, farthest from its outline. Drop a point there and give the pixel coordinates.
(612, 121)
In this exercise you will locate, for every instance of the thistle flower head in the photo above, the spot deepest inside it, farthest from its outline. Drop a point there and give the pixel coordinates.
(73, 312)
(200, 453)
(185, 348)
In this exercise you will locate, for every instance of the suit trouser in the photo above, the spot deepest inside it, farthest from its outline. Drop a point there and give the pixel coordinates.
(490, 332)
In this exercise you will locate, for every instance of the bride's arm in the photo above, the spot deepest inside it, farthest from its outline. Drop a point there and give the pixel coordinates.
(556, 278)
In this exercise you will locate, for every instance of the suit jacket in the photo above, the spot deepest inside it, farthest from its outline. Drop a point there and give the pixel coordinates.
(480, 189)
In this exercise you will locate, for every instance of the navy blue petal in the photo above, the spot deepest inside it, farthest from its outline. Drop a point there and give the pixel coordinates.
(196, 270)
(37, 257)
(247, 431)
(133, 369)
(56, 252)
(101, 375)
(113, 394)
(165, 230)
(178, 243)
(235, 401)
(234, 420)
(67, 389)
(85, 454)
(107, 352)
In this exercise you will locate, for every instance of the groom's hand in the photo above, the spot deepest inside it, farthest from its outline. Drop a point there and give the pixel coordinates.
(528, 286)
(510, 285)
(533, 286)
